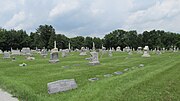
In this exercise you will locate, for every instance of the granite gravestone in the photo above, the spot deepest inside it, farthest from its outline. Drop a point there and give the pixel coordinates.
(61, 85)
(139, 50)
(63, 53)
(146, 52)
(110, 53)
(6, 55)
(44, 52)
(94, 57)
(103, 51)
(118, 49)
(26, 51)
(54, 56)
(15, 52)
(158, 52)
(83, 51)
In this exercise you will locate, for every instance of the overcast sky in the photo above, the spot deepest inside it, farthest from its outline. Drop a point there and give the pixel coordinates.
(91, 17)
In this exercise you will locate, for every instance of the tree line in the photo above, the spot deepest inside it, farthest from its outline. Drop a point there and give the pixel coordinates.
(44, 36)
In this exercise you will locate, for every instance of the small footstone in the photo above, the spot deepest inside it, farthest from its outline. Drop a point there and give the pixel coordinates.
(126, 69)
(141, 65)
(23, 64)
(118, 73)
(93, 79)
(108, 75)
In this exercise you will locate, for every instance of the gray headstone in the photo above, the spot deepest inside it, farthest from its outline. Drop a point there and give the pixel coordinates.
(61, 85)
(146, 52)
(94, 58)
(118, 73)
(54, 57)
(15, 52)
(93, 79)
(7, 55)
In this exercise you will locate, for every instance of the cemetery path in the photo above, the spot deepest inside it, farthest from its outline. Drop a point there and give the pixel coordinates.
(4, 96)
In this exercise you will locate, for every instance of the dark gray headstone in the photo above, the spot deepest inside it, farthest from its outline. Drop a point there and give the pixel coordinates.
(61, 85)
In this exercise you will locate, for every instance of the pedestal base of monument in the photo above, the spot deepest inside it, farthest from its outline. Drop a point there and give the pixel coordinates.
(94, 63)
(53, 61)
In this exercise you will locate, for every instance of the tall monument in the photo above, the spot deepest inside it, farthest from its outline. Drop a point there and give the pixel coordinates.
(54, 56)
(94, 57)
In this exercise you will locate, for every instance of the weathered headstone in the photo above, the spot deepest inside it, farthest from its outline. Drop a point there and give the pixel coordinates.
(118, 49)
(6, 55)
(54, 56)
(110, 53)
(83, 51)
(26, 51)
(44, 52)
(158, 52)
(61, 86)
(63, 53)
(15, 52)
(94, 58)
(118, 73)
(103, 51)
(146, 52)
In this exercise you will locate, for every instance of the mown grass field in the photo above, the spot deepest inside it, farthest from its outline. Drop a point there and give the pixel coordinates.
(158, 80)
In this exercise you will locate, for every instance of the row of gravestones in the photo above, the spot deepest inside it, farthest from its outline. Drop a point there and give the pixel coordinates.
(69, 84)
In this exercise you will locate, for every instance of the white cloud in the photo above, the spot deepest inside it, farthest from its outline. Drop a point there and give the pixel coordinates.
(16, 20)
(154, 17)
(63, 7)
(91, 17)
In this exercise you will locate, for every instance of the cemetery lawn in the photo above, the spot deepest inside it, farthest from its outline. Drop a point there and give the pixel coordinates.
(158, 80)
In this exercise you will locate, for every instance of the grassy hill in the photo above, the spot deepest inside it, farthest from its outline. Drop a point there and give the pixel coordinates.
(158, 80)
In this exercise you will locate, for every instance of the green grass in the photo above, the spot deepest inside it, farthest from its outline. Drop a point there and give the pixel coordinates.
(158, 80)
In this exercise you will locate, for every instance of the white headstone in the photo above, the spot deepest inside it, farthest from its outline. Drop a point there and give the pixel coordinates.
(110, 53)
(26, 51)
(15, 52)
(118, 49)
(44, 52)
(54, 55)
(61, 86)
(83, 51)
(6, 55)
(146, 52)
(94, 58)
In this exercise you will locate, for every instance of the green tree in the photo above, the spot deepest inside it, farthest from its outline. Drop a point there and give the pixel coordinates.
(46, 33)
